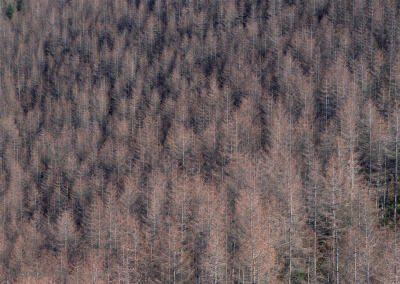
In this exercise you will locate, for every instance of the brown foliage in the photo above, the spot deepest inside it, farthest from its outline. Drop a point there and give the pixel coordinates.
(199, 141)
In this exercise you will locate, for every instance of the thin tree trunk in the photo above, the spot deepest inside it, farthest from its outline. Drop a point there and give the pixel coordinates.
(395, 197)
(315, 233)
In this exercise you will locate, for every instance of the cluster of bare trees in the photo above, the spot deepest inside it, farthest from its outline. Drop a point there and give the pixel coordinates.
(191, 141)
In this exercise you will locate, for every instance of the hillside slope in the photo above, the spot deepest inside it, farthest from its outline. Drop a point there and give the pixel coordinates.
(193, 141)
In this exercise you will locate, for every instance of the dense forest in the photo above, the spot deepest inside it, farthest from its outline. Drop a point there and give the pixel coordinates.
(198, 141)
